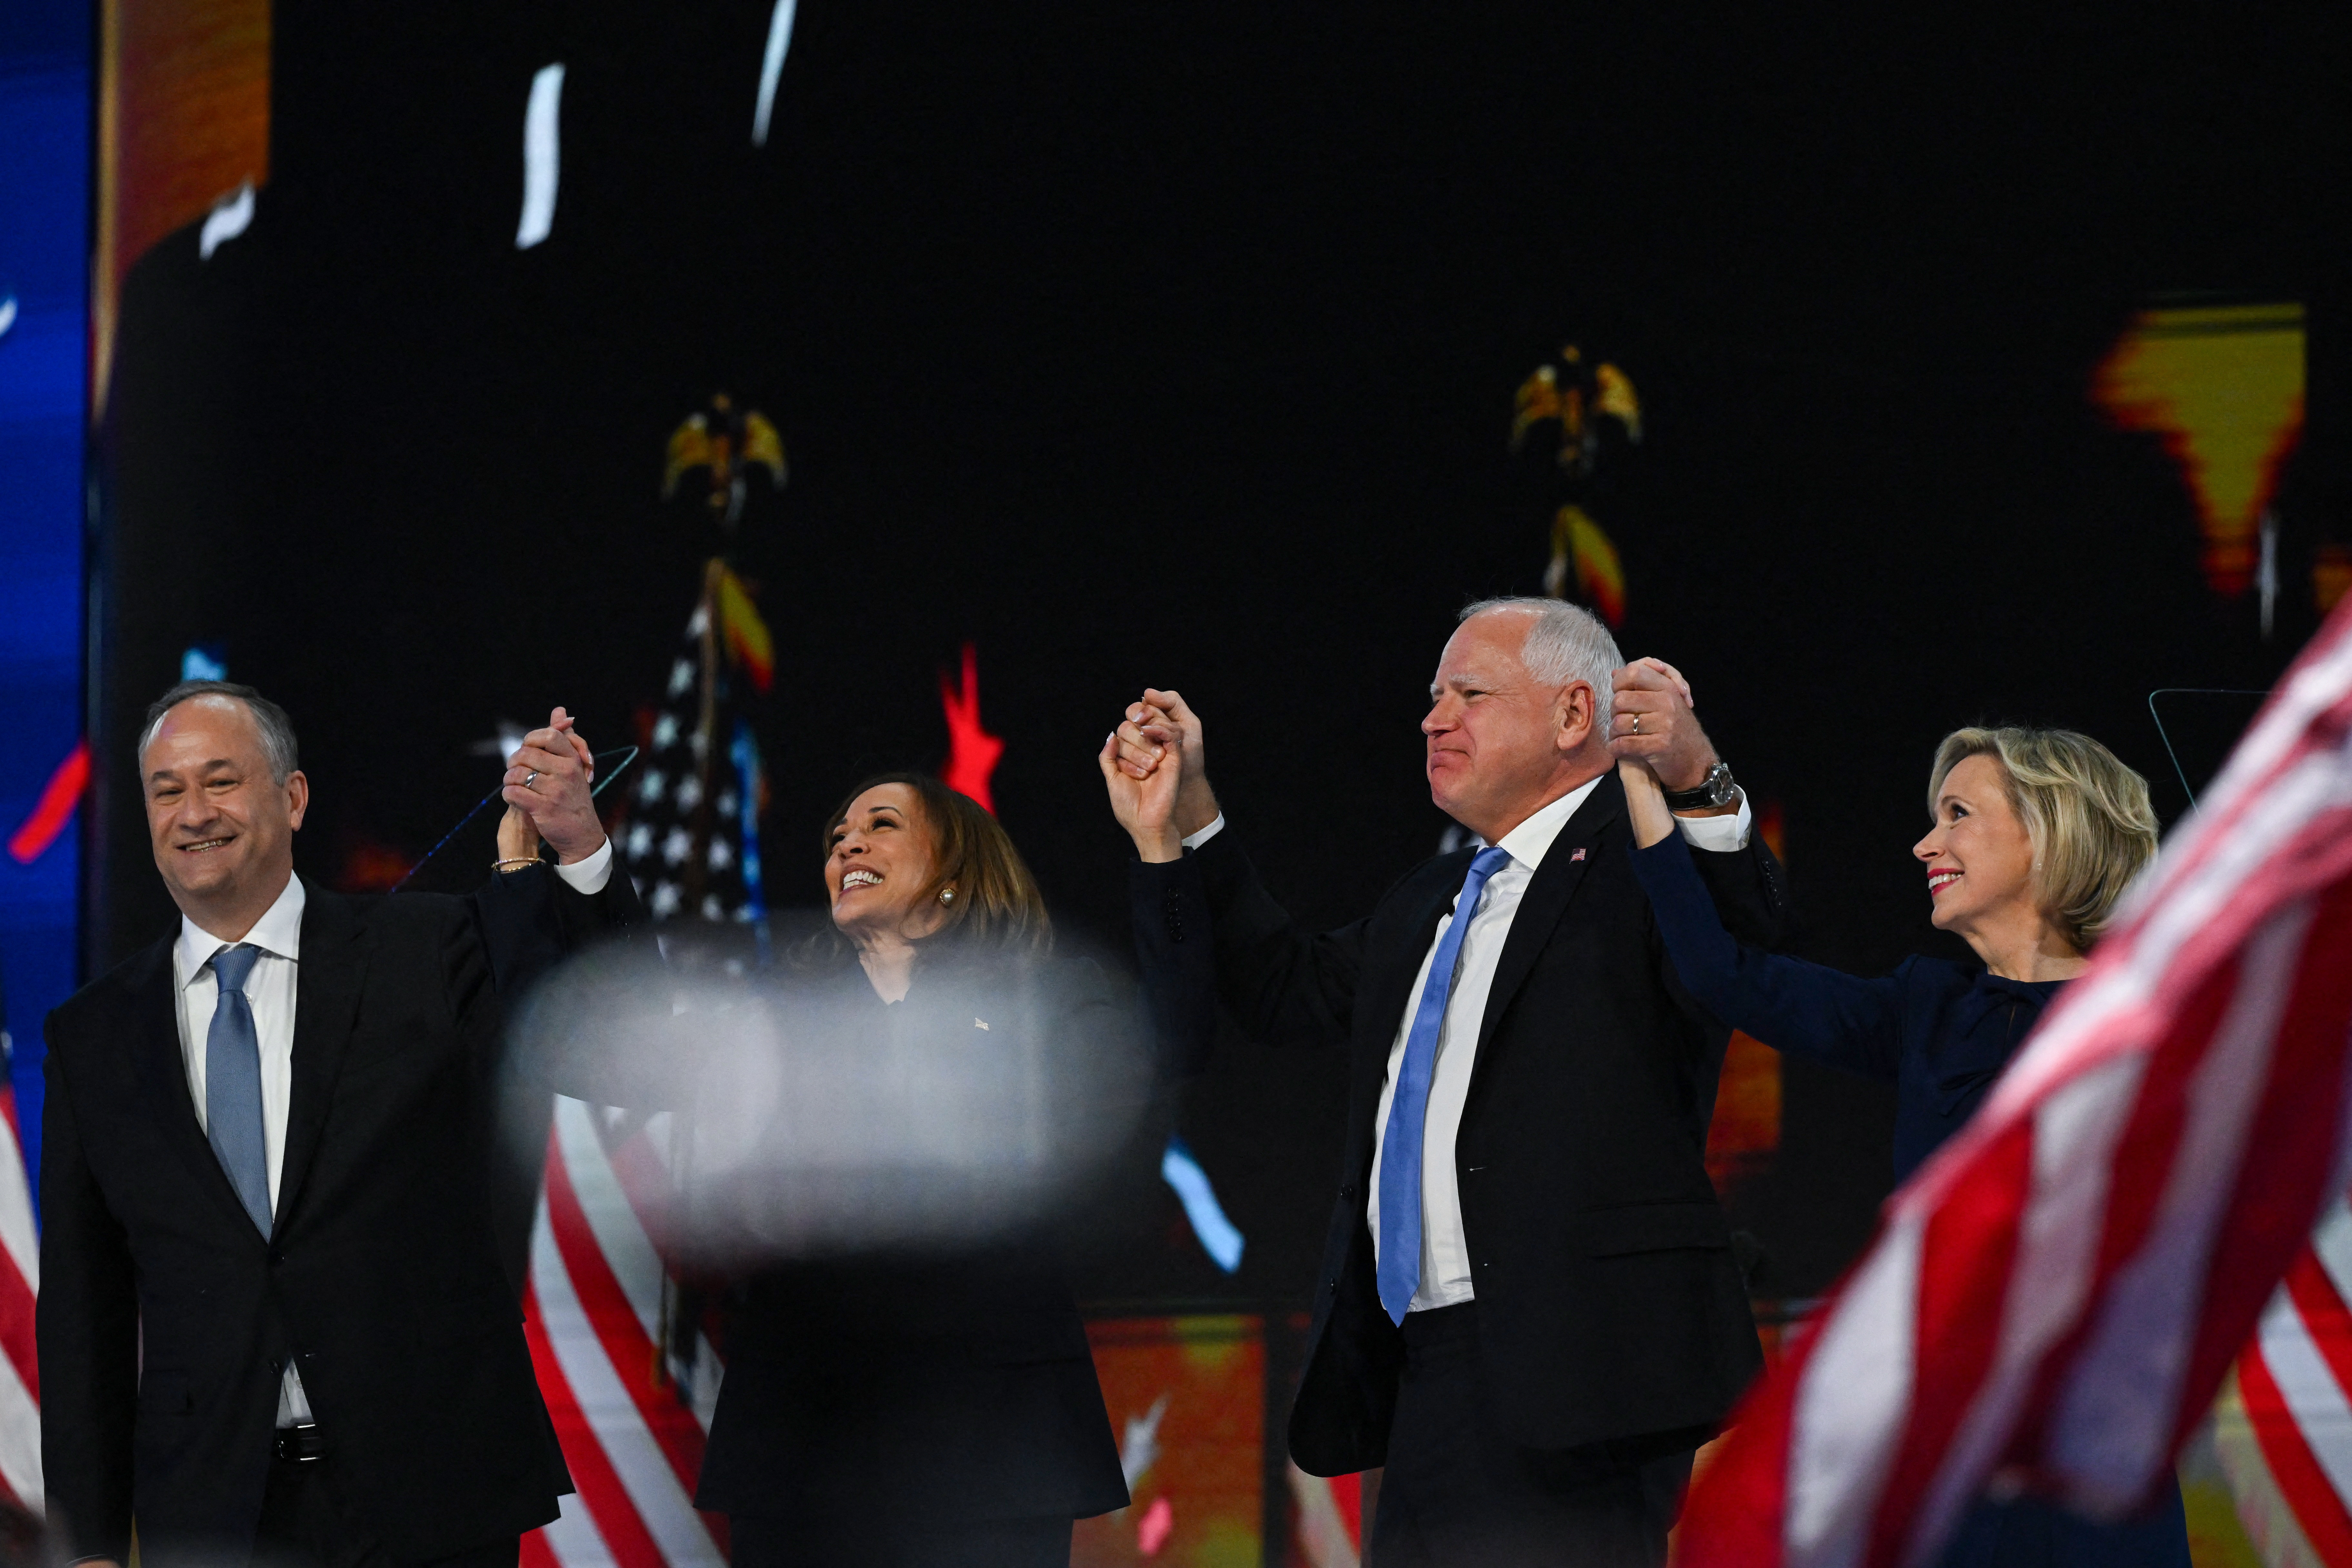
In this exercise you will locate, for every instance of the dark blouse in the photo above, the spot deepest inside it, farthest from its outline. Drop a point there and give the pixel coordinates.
(931, 1387)
(1940, 1033)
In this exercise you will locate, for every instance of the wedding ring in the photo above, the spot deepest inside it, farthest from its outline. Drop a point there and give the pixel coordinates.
(529, 777)
(1637, 723)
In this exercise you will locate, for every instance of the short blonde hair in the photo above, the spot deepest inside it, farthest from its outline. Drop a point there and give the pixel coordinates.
(2086, 814)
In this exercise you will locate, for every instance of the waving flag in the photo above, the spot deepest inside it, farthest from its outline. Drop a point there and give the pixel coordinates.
(599, 1317)
(2283, 1429)
(2051, 1302)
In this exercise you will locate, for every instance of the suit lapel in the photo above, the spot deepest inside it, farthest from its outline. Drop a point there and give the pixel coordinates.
(1547, 898)
(326, 1004)
(163, 1076)
(1383, 1010)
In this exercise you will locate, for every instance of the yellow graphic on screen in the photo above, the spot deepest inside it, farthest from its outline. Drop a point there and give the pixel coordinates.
(1573, 394)
(1599, 576)
(2223, 386)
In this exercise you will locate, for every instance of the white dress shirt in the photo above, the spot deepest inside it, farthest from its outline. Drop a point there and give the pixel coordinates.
(269, 991)
(1445, 1253)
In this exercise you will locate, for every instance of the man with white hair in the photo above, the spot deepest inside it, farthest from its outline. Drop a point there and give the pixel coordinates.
(1529, 1309)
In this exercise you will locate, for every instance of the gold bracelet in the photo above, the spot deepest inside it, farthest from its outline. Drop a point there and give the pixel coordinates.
(516, 863)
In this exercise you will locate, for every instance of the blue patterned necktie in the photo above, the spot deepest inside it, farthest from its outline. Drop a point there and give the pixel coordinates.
(233, 1085)
(1399, 1271)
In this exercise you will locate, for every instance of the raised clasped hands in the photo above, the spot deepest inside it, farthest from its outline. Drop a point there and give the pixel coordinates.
(547, 795)
(1155, 769)
(1651, 721)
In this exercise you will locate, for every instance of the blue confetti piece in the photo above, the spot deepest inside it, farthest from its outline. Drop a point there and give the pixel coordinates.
(1218, 1237)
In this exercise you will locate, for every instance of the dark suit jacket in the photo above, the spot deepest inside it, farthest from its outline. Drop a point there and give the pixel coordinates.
(165, 1319)
(1610, 1307)
(948, 1385)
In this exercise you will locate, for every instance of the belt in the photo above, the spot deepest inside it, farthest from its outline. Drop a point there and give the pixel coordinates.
(300, 1444)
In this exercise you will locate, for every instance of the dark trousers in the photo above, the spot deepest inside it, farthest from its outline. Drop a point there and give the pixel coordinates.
(756, 1540)
(1457, 1491)
(302, 1528)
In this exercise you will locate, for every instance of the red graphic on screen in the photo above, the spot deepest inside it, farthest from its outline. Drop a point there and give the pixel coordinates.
(972, 751)
(55, 808)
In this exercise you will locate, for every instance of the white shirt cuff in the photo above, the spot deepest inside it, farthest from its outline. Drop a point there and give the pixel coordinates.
(1194, 840)
(590, 875)
(1721, 834)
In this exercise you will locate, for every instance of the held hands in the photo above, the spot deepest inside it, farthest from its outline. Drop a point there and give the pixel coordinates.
(1645, 803)
(546, 792)
(1145, 806)
(1652, 722)
(1154, 766)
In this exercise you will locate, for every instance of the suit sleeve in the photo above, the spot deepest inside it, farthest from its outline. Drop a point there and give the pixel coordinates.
(531, 921)
(1749, 889)
(1806, 1009)
(521, 926)
(501, 943)
(1205, 925)
(87, 1329)
(1169, 907)
(1100, 1043)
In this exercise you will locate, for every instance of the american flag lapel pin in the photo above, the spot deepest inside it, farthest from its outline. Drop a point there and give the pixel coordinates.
(1578, 856)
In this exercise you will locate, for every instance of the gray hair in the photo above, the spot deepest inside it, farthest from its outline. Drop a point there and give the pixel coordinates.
(276, 729)
(1565, 642)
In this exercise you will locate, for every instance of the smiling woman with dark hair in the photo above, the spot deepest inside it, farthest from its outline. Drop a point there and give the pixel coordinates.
(2034, 835)
(911, 866)
(935, 1408)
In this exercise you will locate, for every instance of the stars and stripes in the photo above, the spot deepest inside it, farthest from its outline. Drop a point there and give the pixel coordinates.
(691, 840)
(2051, 1302)
(2282, 1427)
(632, 1424)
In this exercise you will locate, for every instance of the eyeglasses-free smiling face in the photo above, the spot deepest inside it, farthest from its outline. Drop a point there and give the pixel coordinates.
(222, 827)
(880, 865)
(1979, 855)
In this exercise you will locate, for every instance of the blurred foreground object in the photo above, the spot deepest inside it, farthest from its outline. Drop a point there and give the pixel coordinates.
(2051, 1301)
(809, 1120)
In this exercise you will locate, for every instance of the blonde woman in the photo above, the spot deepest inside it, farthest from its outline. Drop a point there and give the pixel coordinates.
(2035, 834)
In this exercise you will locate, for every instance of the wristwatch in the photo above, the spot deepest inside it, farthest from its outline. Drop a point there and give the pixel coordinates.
(1715, 789)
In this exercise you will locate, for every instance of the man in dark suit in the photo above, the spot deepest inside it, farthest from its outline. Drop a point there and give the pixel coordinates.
(274, 1325)
(1529, 1309)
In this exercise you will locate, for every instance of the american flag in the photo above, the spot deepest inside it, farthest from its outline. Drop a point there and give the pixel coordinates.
(20, 1283)
(622, 1343)
(2282, 1427)
(2051, 1302)
(601, 1316)
(691, 838)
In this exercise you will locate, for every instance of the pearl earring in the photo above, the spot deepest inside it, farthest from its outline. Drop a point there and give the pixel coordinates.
(947, 895)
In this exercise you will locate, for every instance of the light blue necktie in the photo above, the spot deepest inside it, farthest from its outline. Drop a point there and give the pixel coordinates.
(233, 1085)
(1400, 1272)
